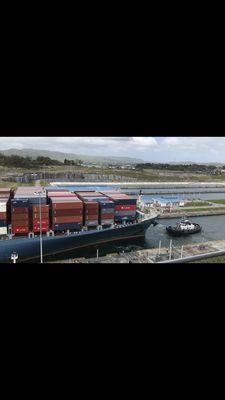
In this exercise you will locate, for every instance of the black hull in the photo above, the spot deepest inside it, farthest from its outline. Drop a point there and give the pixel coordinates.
(176, 232)
(29, 249)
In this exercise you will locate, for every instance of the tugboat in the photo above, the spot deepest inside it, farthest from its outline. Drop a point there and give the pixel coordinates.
(185, 227)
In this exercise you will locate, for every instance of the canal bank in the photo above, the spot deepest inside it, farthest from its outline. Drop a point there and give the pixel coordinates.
(191, 214)
(158, 255)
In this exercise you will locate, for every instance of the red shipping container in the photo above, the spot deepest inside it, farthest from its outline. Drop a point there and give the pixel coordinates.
(20, 210)
(92, 212)
(2, 215)
(20, 223)
(61, 220)
(37, 221)
(37, 215)
(91, 207)
(20, 217)
(91, 217)
(107, 216)
(67, 206)
(20, 230)
(125, 207)
(60, 213)
(44, 209)
(61, 194)
(37, 230)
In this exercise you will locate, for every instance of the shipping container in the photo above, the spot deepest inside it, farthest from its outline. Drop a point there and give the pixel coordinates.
(3, 223)
(20, 210)
(44, 208)
(125, 207)
(19, 203)
(125, 213)
(3, 230)
(91, 223)
(37, 215)
(107, 216)
(91, 217)
(2, 215)
(3, 207)
(61, 194)
(18, 230)
(107, 211)
(21, 224)
(67, 206)
(20, 217)
(67, 219)
(43, 221)
(37, 229)
(107, 221)
(70, 226)
(67, 212)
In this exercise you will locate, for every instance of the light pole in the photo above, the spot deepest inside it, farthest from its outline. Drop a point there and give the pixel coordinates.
(40, 217)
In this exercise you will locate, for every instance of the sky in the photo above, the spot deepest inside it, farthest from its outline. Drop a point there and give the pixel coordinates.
(149, 149)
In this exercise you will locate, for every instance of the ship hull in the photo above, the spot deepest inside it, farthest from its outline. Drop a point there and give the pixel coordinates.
(29, 249)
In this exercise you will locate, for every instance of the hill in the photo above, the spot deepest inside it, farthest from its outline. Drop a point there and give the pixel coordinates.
(57, 155)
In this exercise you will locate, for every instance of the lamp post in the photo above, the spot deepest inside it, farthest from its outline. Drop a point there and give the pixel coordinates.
(40, 217)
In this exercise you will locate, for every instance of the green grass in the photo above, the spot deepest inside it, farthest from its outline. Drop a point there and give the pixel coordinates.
(219, 201)
(203, 209)
(197, 203)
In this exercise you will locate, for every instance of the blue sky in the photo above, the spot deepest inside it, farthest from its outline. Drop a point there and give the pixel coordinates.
(151, 149)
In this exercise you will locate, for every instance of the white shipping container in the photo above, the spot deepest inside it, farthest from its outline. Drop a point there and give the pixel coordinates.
(3, 205)
(3, 231)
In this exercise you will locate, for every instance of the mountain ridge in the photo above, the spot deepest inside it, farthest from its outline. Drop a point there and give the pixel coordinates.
(60, 156)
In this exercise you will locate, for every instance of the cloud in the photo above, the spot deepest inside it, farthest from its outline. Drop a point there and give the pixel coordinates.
(152, 149)
(86, 145)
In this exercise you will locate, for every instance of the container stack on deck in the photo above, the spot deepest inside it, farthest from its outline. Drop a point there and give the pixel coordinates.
(125, 206)
(91, 208)
(106, 212)
(62, 210)
(35, 214)
(66, 211)
(4, 209)
(25, 210)
(20, 216)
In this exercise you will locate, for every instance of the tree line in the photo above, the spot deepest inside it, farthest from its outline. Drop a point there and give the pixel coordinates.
(178, 167)
(28, 162)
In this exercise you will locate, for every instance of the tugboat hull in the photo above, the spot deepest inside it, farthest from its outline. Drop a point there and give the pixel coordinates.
(179, 232)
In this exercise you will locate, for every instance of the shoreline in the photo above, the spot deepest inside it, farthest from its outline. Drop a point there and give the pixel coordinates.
(191, 214)
(153, 255)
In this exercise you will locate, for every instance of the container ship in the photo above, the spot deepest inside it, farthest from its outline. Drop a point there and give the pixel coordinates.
(54, 222)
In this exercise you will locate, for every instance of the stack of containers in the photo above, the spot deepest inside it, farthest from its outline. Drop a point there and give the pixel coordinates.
(33, 195)
(35, 224)
(91, 208)
(20, 216)
(4, 214)
(125, 206)
(106, 206)
(66, 211)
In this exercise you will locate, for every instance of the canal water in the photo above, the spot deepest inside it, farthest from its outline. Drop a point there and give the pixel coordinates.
(213, 228)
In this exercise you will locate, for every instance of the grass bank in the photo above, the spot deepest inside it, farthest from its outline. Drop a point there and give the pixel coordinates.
(219, 201)
(197, 203)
